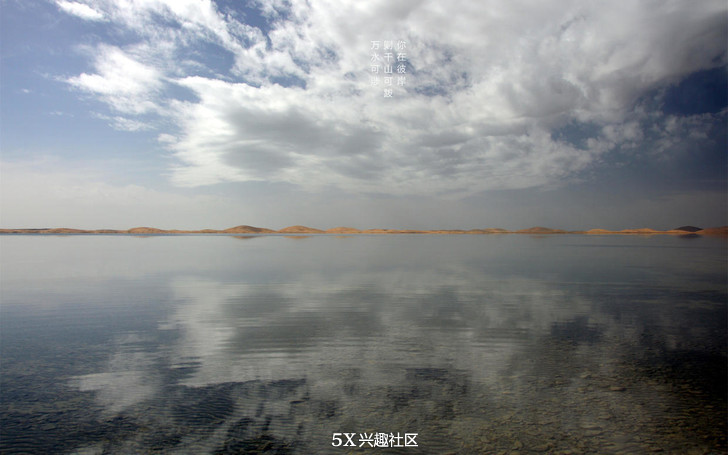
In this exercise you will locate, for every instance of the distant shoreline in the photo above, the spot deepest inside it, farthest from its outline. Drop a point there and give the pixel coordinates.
(243, 229)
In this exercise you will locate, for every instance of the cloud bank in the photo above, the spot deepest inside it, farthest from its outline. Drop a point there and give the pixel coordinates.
(498, 95)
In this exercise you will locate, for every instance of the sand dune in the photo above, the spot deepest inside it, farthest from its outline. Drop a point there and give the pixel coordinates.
(65, 231)
(489, 231)
(298, 229)
(146, 230)
(599, 232)
(343, 230)
(639, 231)
(716, 231)
(540, 230)
(245, 229)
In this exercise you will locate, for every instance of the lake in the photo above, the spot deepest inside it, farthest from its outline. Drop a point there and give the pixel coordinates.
(363, 344)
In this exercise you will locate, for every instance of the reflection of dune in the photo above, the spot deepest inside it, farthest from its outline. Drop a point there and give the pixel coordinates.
(689, 236)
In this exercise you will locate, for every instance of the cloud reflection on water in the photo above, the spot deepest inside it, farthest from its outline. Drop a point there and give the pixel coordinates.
(432, 347)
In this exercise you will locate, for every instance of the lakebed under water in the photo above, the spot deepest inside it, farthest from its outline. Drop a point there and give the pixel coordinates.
(281, 344)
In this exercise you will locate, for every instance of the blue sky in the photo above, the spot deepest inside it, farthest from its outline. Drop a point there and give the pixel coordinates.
(197, 114)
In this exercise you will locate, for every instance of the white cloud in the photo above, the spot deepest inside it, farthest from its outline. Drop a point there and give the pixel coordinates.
(80, 9)
(121, 80)
(126, 124)
(487, 85)
(166, 138)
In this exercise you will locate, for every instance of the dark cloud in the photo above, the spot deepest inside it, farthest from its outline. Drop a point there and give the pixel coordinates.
(289, 128)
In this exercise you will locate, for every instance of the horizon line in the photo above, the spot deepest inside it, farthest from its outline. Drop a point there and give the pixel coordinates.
(300, 229)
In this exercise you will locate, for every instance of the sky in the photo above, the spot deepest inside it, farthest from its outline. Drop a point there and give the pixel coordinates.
(418, 114)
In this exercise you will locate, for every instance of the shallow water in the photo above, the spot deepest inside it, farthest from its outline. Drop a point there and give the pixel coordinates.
(272, 344)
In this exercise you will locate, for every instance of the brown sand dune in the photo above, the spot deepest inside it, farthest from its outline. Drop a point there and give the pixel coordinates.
(716, 231)
(244, 229)
(490, 231)
(29, 231)
(66, 231)
(377, 231)
(540, 230)
(642, 231)
(146, 230)
(300, 230)
(343, 230)
(599, 232)
(394, 231)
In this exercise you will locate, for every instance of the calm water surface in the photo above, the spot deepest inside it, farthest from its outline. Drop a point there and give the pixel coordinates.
(272, 344)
